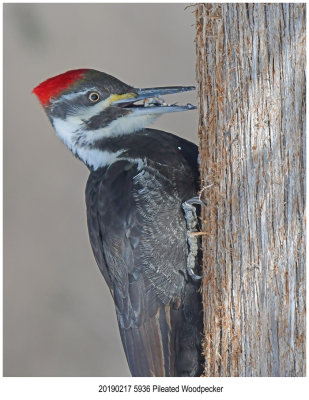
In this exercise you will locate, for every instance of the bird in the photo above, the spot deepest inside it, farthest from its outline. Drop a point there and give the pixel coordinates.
(140, 212)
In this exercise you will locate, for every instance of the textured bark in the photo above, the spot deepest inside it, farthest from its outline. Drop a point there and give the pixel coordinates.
(251, 78)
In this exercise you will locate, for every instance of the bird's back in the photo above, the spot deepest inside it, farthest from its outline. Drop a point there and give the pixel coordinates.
(139, 238)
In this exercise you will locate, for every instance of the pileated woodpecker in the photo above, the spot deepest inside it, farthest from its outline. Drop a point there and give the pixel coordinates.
(139, 219)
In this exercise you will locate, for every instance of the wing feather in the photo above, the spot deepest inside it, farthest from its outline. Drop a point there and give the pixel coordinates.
(138, 235)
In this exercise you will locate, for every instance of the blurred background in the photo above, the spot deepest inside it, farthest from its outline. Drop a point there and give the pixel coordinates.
(59, 318)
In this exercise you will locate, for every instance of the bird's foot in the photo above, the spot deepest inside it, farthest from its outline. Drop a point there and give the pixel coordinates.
(193, 275)
(195, 200)
(191, 220)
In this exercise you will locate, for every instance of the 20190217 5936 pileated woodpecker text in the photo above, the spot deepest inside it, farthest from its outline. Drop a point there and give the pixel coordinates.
(141, 211)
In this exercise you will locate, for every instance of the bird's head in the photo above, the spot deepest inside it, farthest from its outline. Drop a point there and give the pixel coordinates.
(86, 106)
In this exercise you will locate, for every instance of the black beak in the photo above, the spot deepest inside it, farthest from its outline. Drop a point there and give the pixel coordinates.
(152, 101)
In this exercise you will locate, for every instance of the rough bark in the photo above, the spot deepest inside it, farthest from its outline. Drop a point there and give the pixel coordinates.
(251, 78)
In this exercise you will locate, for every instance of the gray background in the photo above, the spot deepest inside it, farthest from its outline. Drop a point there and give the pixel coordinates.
(59, 318)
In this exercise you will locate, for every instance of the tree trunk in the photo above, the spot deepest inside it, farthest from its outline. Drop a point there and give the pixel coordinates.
(251, 78)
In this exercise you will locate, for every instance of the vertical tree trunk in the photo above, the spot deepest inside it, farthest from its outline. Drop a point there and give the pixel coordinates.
(251, 77)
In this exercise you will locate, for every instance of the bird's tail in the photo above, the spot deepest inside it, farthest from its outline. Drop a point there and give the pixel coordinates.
(168, 343)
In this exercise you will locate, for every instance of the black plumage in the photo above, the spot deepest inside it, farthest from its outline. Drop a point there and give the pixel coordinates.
(138, 234)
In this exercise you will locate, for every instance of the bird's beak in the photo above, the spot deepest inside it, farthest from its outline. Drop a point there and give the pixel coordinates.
(151, 101)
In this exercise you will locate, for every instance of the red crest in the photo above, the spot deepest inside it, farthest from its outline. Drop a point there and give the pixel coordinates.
(53, 86)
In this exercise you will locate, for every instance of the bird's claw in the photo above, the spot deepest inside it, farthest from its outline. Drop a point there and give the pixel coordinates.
(193, 275)
(191, 219)
(195, 200)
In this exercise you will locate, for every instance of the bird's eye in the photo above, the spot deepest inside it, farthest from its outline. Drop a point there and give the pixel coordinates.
(94, 97)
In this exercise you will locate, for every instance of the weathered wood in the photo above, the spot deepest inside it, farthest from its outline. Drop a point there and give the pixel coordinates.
(251, 78)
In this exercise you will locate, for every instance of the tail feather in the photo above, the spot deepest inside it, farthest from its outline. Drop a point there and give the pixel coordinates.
(169, 342)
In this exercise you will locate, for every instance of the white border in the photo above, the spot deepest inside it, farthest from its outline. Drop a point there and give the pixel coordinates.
(87, 388)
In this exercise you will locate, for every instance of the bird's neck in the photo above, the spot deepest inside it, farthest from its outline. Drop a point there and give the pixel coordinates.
(96, 158)
(100, 147)
(106, 151)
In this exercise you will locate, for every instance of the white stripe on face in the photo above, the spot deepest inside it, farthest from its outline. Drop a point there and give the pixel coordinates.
(71, 130)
